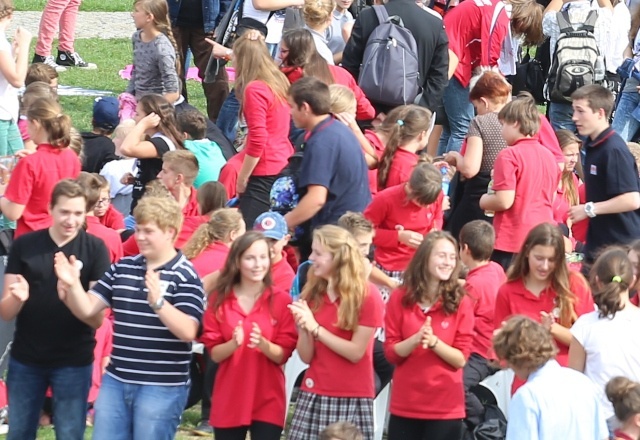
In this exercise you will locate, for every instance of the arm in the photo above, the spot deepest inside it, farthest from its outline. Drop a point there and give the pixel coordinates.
(14, 295)
(354, 49)
(369, 152)
(560, 333)
(447, 353)
(310, 205)
(623, 203)
(249, 163)
(438, 73)
(14, 66)
(605, 4)
(577, 355)
(380, 278)
(274, 5)
(305, 346)
(12, 211)
(222, 352)
(469, 164)
(167, 66)
(554, 6)
(500, 201)
(453, 63)
(133, 147)
(352, 350)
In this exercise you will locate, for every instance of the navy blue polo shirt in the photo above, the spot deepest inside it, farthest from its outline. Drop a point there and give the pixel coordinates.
(333, 159)
(610, 170)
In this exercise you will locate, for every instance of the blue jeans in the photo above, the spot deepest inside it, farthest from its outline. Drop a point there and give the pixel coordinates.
(27, 385)
(126, 411)
(623, 123)
(228, 117)
(459, 113)
(561, 116)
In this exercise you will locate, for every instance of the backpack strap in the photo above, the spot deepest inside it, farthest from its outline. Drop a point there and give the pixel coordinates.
(381, 13)
(590, 23)
(564, 22)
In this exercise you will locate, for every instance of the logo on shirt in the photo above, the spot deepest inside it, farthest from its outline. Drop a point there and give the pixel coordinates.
(164, 287)
(309, 382)
(445, 324)
(593, 170)
(79, 264)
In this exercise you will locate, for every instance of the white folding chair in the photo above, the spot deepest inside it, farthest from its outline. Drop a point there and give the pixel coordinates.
(500, 386)
(292, 370)
(380, 411)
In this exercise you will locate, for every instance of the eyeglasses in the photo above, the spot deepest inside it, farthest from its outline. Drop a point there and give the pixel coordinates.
(104, 201)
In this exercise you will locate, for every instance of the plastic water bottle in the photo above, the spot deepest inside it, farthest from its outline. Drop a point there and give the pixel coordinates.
(445, 180)
(599, 73)
(490, 191)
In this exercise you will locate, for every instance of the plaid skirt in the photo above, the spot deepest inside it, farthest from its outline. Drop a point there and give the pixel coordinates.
(313, 413)
(385, 292)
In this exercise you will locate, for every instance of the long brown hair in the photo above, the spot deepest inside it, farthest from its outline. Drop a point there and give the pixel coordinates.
(253, 62)
(566, 138)
(160, 11)
(54, 122)
(230, 274)
(303, 53)
(417, 277)
(547, 234)
(526, 20)
(348, 276)
(401, 125)
(159, 105)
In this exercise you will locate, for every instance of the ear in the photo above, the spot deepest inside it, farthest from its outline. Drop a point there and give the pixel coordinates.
(180, 178)
(636, 420)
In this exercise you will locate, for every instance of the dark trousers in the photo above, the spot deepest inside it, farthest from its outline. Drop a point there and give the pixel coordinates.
(382, 368)
(502, 258)
(216, 92)
(255, 199)
(402, 428)
(258, 430)
(476, 370)
(210, 370)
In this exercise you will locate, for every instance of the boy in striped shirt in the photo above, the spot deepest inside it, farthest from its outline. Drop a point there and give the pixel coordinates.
(157, 301)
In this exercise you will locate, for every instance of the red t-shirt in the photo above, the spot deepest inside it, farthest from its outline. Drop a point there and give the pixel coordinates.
(268, 123)
(474, 36)
(32, 182)
(402, 165)
(390, 210)
(110, 237)
(561, 203)
(482, 286)
(514, 299)
(282, 274)
(211, 259)
(249, 387)
(229, 174)
(112, 218)
(579, 229)
(330, 374)
(533, 173)
(378, 146)
(424, 385)
(191, 208)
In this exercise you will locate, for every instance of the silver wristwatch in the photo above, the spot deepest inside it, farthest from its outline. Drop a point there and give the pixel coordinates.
(158, 304)
(590, 209)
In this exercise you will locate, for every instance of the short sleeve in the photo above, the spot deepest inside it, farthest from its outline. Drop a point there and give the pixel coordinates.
(189, 297)
(101, 260)
(584, 299)
(14, 263)
(5, 46)
(466, 322)
(160, 145)
(622, 173)
(579, 329)
(372, 311)
(474, 129)
(550, 24)
(21, 184)
(318, 164)
(505, 171)
(103, 289)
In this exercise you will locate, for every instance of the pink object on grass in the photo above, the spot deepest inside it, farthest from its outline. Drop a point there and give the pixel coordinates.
(192, 73)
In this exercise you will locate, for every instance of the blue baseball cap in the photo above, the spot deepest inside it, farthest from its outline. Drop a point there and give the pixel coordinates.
(272, 225)
(105, 112)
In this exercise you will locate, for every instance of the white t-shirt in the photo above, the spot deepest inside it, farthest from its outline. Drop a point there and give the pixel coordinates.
(619, 37)
(9, 104)
(612, 347)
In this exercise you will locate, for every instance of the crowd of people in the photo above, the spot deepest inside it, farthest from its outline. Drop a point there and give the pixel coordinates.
(426, 244)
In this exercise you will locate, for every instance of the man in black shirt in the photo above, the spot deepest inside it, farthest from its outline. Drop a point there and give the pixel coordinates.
(51, 347)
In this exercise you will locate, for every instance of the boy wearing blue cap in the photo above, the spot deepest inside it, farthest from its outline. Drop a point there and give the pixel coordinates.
(98, 146)
(274, 227)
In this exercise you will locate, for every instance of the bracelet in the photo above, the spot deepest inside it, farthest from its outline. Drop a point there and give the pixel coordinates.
(316, 332)
(432, 346)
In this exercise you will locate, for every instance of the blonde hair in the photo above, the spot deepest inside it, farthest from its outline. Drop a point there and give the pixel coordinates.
(317, 12)
(123, 129)
(56, 124)
(182, 162)
(76, 143)
(342, 99)
(6, 9)
(35, 91)
(160, 11)
(253, 62)
(348, 275)
(222, 223)
(163, 211)
(566, 138)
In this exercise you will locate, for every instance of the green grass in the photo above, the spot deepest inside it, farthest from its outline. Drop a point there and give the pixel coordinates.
(111, 56)
(86, 5)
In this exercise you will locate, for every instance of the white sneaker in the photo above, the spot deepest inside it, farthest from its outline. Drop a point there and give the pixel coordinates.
(49, 61)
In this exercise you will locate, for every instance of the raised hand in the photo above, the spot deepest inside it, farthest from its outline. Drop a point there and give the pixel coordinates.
(67, 269)
(303, 315)
(427, 333)
(150, 121)
(238, 334)
(19, 289)
(255, 338)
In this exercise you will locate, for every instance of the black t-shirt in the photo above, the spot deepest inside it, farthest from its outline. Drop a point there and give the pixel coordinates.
(610, 170)
(47, 333)
(148, 169)
(190, 14)
(97, 151)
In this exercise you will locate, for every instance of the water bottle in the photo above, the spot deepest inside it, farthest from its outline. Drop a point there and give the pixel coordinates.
(445, 180)
(490, 191)
(599, 69)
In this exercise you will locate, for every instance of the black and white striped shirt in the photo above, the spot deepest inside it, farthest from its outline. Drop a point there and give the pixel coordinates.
(145, 352)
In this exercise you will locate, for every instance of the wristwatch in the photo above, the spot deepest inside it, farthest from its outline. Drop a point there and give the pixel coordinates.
(590, 209)
(158, 304)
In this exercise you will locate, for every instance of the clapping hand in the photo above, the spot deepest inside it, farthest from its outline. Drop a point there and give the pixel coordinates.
(19, 289)
(427, 333)
(303, 315)
(238, 334)
(255, 338)
(66, 269)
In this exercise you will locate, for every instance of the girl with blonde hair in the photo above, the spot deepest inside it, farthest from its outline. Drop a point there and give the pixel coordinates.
(337, 316)
(262, 91)
(317, 17)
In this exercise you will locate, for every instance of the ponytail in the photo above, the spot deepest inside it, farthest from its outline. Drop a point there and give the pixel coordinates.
(624, 395)
(610, 277)
(221, 224)
(56, 124)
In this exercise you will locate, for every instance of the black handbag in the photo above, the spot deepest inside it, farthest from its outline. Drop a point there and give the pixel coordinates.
(530, 77)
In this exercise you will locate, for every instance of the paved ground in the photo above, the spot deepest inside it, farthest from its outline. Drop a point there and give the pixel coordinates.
(90, 24)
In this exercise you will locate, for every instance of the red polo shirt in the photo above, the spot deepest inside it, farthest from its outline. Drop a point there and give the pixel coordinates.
(110, 237)
(330, 374)
(32, 182)
(112, 218)
(229, 174)
(191, 208)
(482, 286)
(390, 210)
(532, 172)
(211, 259)
(282, 274)
(402, 165)
(514, 299)
(249, 386)
(425, 386)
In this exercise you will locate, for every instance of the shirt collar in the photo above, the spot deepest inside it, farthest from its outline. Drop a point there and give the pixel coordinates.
(606, 134)
(168, 265)
(551, 367)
